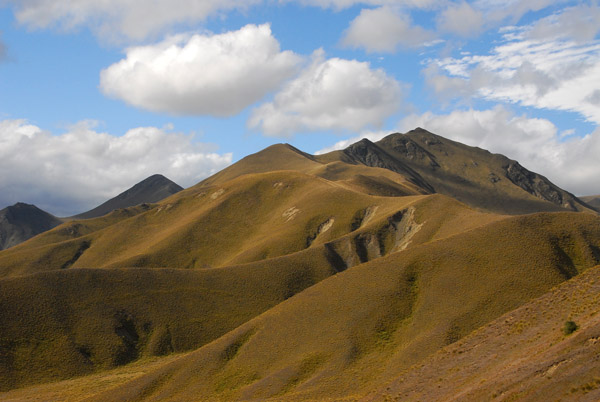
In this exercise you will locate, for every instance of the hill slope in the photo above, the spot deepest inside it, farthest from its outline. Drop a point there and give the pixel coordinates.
(355, 330)
(523, 355)
(288, 276)
(593, 200)
(23, 221)
(150, 190)
(474, 176)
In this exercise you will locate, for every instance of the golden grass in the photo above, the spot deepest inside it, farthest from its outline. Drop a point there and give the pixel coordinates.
(522, 355)
(353, 331)
(291, 277)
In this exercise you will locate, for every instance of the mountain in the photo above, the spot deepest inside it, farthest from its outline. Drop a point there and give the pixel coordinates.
(290, 276)
(592, 200)
(474, 176)
(152, 189)
(23, 221)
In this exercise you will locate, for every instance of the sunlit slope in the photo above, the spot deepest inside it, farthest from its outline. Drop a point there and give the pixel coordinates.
(75, 321)
(356, 330)
(372, 181)
(524, 355)
(58, 324)
(249, 218)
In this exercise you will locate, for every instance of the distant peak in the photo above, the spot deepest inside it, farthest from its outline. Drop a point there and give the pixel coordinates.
(24, 205)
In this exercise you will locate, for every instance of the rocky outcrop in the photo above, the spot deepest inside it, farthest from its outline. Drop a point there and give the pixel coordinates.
(369, 154)
(538, 185)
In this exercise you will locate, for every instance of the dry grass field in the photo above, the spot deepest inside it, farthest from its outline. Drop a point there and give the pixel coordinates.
(362, 273)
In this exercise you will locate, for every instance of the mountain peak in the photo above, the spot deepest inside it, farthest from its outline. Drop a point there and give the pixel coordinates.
(22, 221)
(152, 189)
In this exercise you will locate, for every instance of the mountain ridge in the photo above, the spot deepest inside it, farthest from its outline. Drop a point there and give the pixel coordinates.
(22, 221)
(288, 276)
(150, 190)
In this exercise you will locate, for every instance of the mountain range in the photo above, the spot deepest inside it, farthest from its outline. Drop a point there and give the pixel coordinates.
(22, 221)
(413, 268)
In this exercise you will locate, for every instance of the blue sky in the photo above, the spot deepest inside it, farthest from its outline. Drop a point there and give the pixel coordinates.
(96, 96)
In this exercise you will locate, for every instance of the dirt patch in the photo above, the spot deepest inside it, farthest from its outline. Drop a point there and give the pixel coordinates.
(217, 194)
(322, 228)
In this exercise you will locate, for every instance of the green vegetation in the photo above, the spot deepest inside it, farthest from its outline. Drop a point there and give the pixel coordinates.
(569, 327)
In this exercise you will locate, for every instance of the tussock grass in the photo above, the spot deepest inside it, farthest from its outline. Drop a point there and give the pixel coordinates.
(285, 276)
(380, 318)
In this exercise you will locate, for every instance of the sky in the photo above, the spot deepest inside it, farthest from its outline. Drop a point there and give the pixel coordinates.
(95, 96)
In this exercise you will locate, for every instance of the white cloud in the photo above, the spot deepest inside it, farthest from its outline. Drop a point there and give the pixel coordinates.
(552, 74)
(118, 20)
(115, 20)
(497, 11)
(331, 94)
(384, 30)
(373, 136)
(216, 75)
(571, 163)
(81, 168)
(581, 23)
(461, 19)
(342, 4)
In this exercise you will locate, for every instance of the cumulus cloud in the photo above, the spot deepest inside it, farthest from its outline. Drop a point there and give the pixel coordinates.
(571, 163)
(331, 94)
(556, 74)
(384, 30)
(216, 75)
(115, 20)
(81, 168)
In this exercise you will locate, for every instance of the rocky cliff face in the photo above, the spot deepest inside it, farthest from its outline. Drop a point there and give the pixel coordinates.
(538, 185)
(370, 154)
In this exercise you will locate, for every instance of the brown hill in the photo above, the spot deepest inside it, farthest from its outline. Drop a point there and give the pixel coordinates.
(469, 174)
(592, 200)
(529, 354)
(354, 331)
(287, 276)
(23, 221)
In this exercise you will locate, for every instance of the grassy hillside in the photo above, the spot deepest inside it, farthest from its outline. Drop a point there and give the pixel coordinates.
(78, 321)
(247, 219)
(353, 331)
(287, 276)
(70, 318)
(527, 354)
